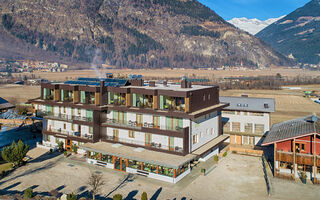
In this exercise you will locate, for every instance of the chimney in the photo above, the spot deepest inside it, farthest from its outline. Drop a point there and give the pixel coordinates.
(165, 83)
(184, 84)
(152, 84)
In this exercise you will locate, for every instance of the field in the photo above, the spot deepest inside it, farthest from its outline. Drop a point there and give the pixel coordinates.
(173, 73)
(290, 103)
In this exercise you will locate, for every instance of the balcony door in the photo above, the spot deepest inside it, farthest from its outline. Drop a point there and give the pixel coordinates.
(120, 164)
(148, 139)
(156, 121)
(116, 135)
(171, 143)
(139, 119)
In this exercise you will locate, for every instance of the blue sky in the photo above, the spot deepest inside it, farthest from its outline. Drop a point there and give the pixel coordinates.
(260, 9)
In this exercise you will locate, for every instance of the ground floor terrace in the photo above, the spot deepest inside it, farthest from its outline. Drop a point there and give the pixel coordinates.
(152, 164)
(292, 165)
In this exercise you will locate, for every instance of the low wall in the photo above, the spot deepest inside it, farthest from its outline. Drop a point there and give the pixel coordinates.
(246, 151)
(16, 122)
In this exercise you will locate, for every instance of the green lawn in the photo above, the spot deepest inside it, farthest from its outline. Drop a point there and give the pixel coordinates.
(4, 166)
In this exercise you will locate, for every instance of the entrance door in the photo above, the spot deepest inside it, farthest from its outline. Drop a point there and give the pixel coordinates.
(120, 164)
(68, 144)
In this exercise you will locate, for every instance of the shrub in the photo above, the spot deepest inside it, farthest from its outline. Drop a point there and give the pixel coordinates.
(71, 197)
(15, 152)
(216, 158)
(74, 148)
(203, 170)
(65, 153)
(60, 145)
(117, 197)
(144, 196)
(224, 154)
(28, 193)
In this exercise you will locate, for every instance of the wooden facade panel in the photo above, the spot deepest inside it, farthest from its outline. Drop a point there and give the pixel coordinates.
(187, 102)
(128, 99)
(304, 160)
(232, 139)
(155, 102)
(285, 157)
(238, 139)
(97, 98)
(76, 97)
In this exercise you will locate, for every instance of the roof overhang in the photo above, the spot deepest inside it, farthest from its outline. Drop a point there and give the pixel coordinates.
(283, 140)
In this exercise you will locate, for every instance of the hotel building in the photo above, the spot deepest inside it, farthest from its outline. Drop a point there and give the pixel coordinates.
(154, 130)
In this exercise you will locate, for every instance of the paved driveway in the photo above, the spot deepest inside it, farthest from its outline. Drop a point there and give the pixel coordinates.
(236, 177)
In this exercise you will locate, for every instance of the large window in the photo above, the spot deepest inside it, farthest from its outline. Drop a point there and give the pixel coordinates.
(48, 94)
(236, 126)
(175, 124)
(116, 98)
(120, 117)
(149, 167)
(248, 128)
(165, 171)
(87, 97)
(134, 164)
(142, 101)
(259, 128)
(172, 103)
(66, 95)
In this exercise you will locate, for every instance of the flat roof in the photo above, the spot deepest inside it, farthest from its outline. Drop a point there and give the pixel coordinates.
(208, 109)
(292, 129)
(249, 104)
(148, 156)
(205, 148)
(173, 87)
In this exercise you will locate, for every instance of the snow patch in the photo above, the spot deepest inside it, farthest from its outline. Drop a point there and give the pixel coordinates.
(253, 26)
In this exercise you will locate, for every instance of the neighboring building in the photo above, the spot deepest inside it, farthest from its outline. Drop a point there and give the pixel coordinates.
(5, 105)
(154, 130)
(246, 119)
(296, 147)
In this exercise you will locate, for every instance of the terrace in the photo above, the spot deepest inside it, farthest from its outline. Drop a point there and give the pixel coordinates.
(153, 145)
(71, 133)
(69, 118)
(48, 94)
(117, 99)
(136, 125)
(87, 97)
(172, 103)
(142, 101)
(66, 96)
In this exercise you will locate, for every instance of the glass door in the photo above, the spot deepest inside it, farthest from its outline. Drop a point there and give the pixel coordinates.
(117, 163)
(116, 135)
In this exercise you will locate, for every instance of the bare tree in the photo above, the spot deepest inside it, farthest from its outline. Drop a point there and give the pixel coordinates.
(95, 182)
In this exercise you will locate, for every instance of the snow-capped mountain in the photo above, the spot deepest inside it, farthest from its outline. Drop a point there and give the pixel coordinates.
(252, 26)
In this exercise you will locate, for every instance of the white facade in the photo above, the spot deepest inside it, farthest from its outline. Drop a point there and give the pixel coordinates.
(203, 130)
(257, 123)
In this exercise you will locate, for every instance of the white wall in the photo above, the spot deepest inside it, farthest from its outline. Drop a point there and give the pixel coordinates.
(243, 119)
(201, 127)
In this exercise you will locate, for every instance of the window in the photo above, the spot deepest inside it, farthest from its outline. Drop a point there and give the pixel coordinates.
(204, 97)
(64, 126)
(226, 127)
(195, 139)
(131, 134)
(64, 110)
(236, 126)
(91, 130)
(209, 97)
(79, 111)
(248, 127)
(300, 147)
(286, 165)
(259, 128)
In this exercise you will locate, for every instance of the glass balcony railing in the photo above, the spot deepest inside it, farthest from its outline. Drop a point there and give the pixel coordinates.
(50, 115)
(134, 124)
(70, 133)
(141, 143)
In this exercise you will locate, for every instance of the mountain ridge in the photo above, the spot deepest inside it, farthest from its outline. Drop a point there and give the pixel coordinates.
(134, 33)
(297, 35)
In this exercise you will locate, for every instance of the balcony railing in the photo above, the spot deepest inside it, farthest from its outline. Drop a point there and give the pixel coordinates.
(141, 143)
(71, 133)
(136, 125)
(174, 107)
(70, 118)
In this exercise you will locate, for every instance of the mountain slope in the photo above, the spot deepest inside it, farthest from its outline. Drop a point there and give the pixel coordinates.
(134, 33)
(297, 34)
(252, 26)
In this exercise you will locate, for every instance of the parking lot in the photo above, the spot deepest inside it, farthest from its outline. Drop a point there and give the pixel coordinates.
(236, 177)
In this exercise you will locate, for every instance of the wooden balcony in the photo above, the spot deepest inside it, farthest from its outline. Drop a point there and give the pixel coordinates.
(284, 156)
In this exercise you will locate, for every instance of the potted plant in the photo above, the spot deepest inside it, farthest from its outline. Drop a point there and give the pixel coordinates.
(203, 171)
(303, 177)
(215, 159)
(65, 154)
